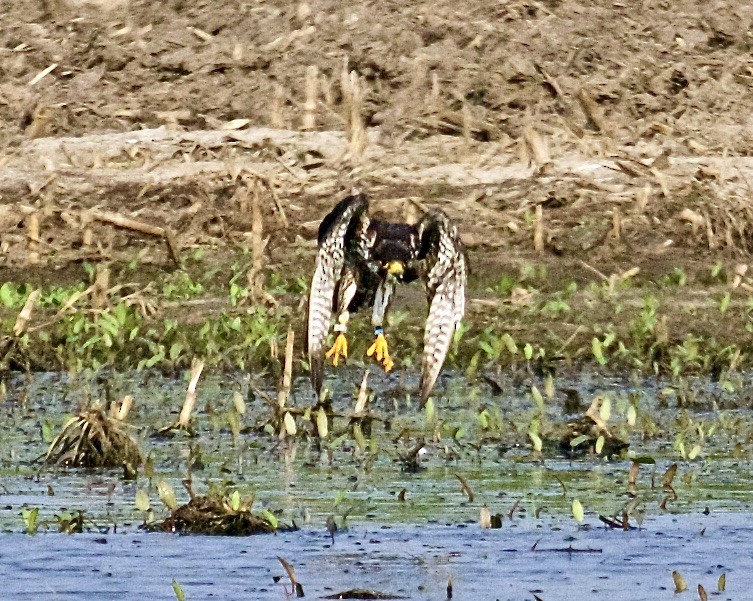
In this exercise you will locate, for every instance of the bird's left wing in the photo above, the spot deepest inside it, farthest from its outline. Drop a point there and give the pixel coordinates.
(336, 231)
(441, 250)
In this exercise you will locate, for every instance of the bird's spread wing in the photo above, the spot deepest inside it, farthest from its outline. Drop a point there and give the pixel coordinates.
(336, 231)
(444, 275)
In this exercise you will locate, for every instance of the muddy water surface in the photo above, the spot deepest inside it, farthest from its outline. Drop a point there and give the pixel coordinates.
(407, 547)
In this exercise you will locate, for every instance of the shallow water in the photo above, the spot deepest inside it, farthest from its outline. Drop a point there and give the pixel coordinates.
(408, 547)
(409, 561)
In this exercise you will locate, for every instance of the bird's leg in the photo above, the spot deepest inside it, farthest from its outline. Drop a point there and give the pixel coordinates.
(345, 295)
(340, 348)
(379, 349)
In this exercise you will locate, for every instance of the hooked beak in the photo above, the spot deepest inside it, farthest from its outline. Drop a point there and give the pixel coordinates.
(395, 268)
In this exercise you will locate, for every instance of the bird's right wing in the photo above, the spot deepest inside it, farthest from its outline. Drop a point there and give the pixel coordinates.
(445, 277)
(347, 220)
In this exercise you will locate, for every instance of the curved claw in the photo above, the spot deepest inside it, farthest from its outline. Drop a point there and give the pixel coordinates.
(381, 353)
(339, 349)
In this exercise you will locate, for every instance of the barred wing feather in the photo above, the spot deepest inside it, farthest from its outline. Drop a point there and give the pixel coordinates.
(445, 287)
(335, 233)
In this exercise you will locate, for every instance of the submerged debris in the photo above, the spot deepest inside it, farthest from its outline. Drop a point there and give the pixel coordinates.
(591, 434)
(94, 439)
(359, 593)
(219, 514)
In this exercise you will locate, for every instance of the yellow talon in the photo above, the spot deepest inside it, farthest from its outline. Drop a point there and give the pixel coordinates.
(381, 353)
(339, 349)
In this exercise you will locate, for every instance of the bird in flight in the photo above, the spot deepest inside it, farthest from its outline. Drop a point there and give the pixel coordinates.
(359, 263)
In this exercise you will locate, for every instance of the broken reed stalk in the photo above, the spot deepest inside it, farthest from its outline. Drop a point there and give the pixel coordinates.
(87, 235)
(125, 407)
(294, 584)
(467, 119)
(356, 131)
(101, 286)
(593, 112)
(616, 224)
(127, 223)
(184, 420)
(642, 197)
(434, 94)
(131, 224)
(25, 314)
(276, 117)
(538, 229)
(363, 396)
(287, 375)
(255, 275)
(32, 233)
(536, 145)
(312, 91)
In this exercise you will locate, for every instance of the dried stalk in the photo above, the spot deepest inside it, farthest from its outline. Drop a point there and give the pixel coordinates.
(276, 117)
(536, 145)
(128, 223)
(363, 396)
(287, 376)
(312, 91)
(255, 275)
(184, 419)
(593, 112)
(356, 131)
(23, 317)
(32, 233)
(101, 286)
(125, 407)
(616, 224)
(538, 229)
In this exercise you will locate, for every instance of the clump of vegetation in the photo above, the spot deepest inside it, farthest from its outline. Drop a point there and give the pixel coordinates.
(95, 439)
(216, 513)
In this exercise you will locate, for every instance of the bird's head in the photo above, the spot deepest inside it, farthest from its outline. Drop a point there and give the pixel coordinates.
(395, 269)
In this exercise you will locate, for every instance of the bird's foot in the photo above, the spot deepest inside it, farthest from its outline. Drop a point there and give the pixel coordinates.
(339, 349)
(380, 352)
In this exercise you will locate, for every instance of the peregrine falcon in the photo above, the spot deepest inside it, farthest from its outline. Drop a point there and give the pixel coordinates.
(360, 261)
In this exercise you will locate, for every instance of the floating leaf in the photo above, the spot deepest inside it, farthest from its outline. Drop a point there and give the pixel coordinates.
(578, 440)
(322, 424)
(549, 386)
(680, 585)
(429, 410)
(694, 452)
(47, 435)
(537, 398)
(721, 584)
(358, 436)
(178, 590)
(290, 427)
(597, 352)
(239, 403)
(31, 519)
(509, 343)
(167, 495)
(578, 511)
(271, 518)
(528, 351)
(702, 595)
(599, 447)
(142, 500)
(605, 411)
(631, 416)
(235, 500)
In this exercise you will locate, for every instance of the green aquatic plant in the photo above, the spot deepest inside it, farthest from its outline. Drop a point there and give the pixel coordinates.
(31, 519)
